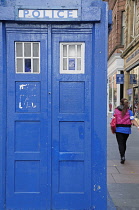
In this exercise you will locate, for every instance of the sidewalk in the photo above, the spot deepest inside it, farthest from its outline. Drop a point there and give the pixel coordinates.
(123, 179)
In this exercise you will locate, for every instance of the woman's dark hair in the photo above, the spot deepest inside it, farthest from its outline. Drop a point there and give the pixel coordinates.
(124, 103)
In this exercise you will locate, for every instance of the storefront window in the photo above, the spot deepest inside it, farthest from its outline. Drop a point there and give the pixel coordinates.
(136, 102)
(133, 91)
(112, 93)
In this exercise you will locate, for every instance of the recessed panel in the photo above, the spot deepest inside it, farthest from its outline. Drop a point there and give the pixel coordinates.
(71, 136)
(71, 177)
(27, 176)
(27, 96)
(27, 136)
(72, 97)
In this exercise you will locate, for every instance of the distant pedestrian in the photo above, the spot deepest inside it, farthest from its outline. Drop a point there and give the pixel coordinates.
(124, 120)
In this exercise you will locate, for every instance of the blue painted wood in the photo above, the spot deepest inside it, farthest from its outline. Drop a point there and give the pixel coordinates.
(71, 130)
(86, 10)
(56, 151)
(99, 111)
(27, 136)
(2, 2)
(2, 113)
(49, 93)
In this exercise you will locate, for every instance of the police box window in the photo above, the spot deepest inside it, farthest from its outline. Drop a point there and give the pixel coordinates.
(72, 58)
(27, 57)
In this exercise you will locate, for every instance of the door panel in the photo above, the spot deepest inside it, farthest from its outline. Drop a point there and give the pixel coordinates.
(28, 158)
(71, 135)
(49, 135)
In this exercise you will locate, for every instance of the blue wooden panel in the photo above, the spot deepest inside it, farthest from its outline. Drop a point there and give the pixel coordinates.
(29, 140)
(27, 168)
(74, 173)
(90, 13)
(86, 10)
(99, 110)
(2, 113)
(79, 156)
(27, 176)
(27, 96)
(72, 136)
(72, 97)
(47, 2)
(71, 105)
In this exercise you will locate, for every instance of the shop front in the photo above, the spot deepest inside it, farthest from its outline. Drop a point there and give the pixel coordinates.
(112, 93)
(131, 85)
(114, 90)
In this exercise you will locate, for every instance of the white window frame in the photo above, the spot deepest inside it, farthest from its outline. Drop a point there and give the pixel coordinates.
(82, 71)
(23, 58)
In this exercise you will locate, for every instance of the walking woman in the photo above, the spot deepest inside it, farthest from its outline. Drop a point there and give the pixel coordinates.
(124, 120)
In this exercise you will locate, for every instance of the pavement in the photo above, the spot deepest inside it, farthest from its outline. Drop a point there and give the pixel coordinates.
(123, 179)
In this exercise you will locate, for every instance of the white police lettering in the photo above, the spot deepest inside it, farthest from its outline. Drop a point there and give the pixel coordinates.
(47, 14)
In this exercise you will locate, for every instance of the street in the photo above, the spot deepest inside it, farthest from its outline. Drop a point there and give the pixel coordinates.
(123, 179)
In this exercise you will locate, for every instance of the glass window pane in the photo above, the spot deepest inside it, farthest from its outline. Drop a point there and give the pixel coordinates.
(72, 58)
(19, 50)
(64, 50)
(78, 50)
(71, 63)
(72, 50)
(78, 63)
(27, 49)
(64, 63)
(35, 49)
(36, 65)
(27, 65)
(19, 65)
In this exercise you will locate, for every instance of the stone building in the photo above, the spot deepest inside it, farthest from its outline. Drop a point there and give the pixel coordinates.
(131, 54)
(115, 49)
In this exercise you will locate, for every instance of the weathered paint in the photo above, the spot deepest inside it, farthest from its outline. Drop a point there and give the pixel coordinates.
(99, 106)
(2, 114)
(58, 10)
(55, 145)
(47, 14)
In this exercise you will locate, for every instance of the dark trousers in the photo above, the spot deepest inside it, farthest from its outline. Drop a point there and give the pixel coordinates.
(121, 139)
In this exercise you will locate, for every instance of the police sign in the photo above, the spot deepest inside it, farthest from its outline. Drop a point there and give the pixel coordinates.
(47, 14)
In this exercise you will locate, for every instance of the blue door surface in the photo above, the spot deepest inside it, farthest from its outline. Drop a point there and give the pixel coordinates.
(71, 121)
(48, 118)
(28, 137)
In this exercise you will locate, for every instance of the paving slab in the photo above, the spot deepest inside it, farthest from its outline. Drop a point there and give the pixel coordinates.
(110, 179)
(126, 178)
(128, 170)
(124, 196)
(123, 179)
(112, 170)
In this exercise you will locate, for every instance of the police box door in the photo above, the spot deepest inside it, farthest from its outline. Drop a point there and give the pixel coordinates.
(48, 118)
(28, 136)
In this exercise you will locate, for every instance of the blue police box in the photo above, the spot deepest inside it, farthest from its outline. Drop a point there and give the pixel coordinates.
(53, 61)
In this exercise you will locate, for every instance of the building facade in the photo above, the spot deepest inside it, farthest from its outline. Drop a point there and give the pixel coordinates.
(115, 49)
(131, 54)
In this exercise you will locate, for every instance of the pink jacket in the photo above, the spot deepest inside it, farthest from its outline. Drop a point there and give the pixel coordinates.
(122, 120)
